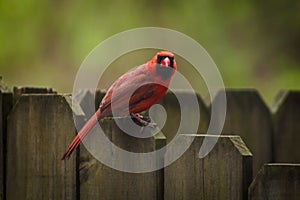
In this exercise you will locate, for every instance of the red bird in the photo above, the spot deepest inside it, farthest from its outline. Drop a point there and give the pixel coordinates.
(149, 81)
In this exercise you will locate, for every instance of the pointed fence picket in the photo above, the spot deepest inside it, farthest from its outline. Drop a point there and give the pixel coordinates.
(37, 125)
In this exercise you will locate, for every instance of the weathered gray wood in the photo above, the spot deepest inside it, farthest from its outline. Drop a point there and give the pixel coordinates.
(19, 90)
(99, 96)
(98, 181)
(92, 173)
(40, 128)
(89, 101)
(286, 138)
(172, 107)
(86, 100)
(248, 116)
(225, 173)
(228, 169)
(276, 181)
(183, 179)
(5, 106)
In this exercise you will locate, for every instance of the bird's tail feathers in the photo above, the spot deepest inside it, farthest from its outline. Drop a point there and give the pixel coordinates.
(81, 134)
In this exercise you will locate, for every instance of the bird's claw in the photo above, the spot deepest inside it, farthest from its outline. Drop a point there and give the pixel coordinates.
(152, 124)
(143, 122)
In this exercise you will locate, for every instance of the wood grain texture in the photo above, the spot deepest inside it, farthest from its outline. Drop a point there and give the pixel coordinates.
(276, 181)
(98, 181)
(224, 174)
(249, 117)
(40, 128)
(286, 138)
(20, 90)
(184, 178)
(173, 111)
(227, 169)
(5, 107)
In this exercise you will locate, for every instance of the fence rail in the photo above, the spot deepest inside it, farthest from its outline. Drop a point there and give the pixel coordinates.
(37, 125)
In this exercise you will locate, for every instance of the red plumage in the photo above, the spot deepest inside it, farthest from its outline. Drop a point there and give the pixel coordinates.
(147, 84)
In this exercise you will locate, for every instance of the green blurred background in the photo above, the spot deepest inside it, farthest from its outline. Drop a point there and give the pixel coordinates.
(254, 43)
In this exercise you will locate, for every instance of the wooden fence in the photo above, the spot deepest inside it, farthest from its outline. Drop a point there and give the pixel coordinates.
(37, 125)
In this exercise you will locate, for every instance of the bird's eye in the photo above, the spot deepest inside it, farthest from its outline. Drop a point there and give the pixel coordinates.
(159, 59)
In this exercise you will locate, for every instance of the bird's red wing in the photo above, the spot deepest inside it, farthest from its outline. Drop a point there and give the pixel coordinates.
(136, 91)
(134, 83)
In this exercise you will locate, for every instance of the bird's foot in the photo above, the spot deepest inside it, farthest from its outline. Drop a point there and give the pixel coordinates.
(142, 121)
(152, 124)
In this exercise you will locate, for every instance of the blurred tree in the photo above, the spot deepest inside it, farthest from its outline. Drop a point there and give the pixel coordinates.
(254, 43)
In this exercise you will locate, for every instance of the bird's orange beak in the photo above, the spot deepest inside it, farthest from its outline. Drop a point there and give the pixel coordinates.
(165, 62)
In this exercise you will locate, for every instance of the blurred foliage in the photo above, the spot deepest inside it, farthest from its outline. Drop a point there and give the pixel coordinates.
(254, 43)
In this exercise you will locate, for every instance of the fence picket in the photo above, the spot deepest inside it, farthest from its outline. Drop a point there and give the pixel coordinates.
(276, 181)
(39, 128)
(172, 107)
(286, 138)
(224, 174)
(40, 125)
(5, 106)
(248, 116)
(20, 90)
(98, 181)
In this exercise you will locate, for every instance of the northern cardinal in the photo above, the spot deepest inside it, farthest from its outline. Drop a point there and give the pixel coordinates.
(149, 81)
